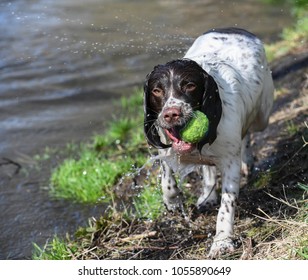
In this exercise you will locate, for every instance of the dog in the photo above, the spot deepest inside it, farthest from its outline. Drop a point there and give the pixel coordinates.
(225, 75)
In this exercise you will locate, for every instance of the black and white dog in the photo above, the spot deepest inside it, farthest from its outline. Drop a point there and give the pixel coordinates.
(226, 76)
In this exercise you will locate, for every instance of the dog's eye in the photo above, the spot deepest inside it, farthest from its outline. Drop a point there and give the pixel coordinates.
(158, 92)
(189, 87)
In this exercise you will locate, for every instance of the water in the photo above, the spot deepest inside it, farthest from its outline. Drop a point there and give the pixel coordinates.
(64, 63)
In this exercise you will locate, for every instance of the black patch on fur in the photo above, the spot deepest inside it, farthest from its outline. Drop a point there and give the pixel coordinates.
(231, 30)
(150, 117)
(211, 107)
(227, 207)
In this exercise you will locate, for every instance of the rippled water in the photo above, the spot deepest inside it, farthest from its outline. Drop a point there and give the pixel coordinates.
(62, 65)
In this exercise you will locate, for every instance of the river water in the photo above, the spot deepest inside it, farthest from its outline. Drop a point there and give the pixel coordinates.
(63, 64)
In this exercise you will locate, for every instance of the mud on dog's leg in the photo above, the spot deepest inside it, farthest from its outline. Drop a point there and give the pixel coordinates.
(225, 219)
(172, 195)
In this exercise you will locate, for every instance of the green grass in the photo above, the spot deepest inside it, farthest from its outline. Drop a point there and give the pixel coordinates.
(89, 176)
(56, 249)
(149, 204)
(303, 251)
(295, 37)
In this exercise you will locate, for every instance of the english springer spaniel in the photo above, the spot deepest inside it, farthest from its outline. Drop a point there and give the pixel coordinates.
(225, 75)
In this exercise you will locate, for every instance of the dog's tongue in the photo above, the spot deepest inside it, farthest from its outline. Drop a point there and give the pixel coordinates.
(178, 145)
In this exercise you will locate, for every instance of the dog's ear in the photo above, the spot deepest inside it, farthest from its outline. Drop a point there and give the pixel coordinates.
(150, 117)
(211, 107)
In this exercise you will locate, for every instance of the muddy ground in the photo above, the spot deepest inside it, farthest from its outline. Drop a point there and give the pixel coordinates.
(280, 164)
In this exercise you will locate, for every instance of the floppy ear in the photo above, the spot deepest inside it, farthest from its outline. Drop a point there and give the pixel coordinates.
(150, 117)
(211, 107)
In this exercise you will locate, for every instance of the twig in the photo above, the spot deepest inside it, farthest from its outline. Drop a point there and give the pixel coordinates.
(200, 236)
(141, 236)
(134, 248)
(282, 223)
(283, 201)
(269, 219)
(86, 252)
(247, 249)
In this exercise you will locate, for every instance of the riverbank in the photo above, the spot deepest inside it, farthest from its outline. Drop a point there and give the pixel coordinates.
(271, 219)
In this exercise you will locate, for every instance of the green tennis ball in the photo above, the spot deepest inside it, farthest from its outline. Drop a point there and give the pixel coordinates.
(196, 128)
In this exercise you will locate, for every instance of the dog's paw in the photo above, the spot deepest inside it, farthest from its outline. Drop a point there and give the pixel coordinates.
(175, 205)
(221, 247)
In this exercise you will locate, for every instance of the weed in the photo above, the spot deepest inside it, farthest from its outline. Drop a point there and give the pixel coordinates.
(304, 188)
(55, 250)
(99, 165)
(291, 128)
(148, 204)
(91, 177)
(302, 252)
(264, 179)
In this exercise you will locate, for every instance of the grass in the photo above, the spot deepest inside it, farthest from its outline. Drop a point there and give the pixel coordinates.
(90, 176)
(290, 233)
(120, 236)
(56, 249)
(293, 38)
(148, 204)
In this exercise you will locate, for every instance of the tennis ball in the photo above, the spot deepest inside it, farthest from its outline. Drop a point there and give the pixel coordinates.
(196, 128)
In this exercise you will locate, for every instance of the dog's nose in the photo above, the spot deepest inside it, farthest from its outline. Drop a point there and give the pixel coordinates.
(172, 114)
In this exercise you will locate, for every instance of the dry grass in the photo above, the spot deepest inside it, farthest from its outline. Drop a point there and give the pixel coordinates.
(291, 240)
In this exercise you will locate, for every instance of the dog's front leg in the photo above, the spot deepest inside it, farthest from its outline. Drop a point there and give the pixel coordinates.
(223, 243)
(172, 195)
(208, 198)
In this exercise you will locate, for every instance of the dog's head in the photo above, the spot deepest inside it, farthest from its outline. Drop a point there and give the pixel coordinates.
(171, 93)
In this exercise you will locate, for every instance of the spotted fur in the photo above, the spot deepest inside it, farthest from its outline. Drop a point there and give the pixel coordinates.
(226, 76)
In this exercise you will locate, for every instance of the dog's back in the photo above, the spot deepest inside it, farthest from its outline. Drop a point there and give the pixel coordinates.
(236, 59)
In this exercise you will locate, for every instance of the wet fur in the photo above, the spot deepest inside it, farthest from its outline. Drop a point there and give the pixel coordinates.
(225, 75)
